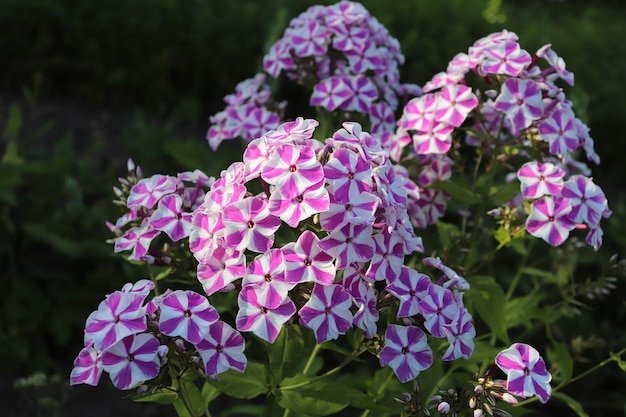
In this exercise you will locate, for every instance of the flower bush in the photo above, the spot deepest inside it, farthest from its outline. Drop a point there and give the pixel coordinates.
(308, 271)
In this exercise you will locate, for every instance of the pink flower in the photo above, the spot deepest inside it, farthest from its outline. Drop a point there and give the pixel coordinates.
(221, 349)
(137, 239)
(460, 335)
(253, 316)
(539, 179)
(521, 101)
(526, 373)
(439, 307)
(505, 58)
(560, 131)
(346, 171)
(350, 243)
(87, 366)
(266, 274)
(454, 104)
(150, 190)
(293, 169)
(132, 360)
(588, 201)
(330, 93)
(410, 287)
(549, 219)
(120, 314)
(406, 351)
(249, 225)
(186, 314)
(307, 262)
(170, 218)
(327, 312)
(293, 209)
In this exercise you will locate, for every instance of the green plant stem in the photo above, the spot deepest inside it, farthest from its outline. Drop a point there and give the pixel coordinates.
(518, 274)
(312, 357)
(184, 395)
(381, 389)
(333, 371)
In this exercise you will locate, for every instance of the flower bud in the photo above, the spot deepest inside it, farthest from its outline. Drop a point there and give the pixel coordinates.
(436, 398)
(509, 398)
(443, 407)
(472, 403)
(478, 389)
(406, 396)
(142, 389)
(478, 413)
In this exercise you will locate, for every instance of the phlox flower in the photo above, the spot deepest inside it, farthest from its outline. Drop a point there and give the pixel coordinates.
(549, 219)
(141, 287)
(347, 172)
(356, 208)
(293, 169)
(150, 190)
(450, 278)
(186, 314)
(526, 372)
(455, 102)
(406, 351)
(435, 139)
(460, 335)
(388, 257)
(254, 316)
(350, 243)
(137, 239)
(132, 360)
(259, 121)
(521, 101)
(293, 209)
(327, 312)
(306, 262)
(249, 225)
(309, 39)
(539, 179)
(560, 131)
(330, 93)
(366, 316)
(220, 269)
(588, 201)
(439, 307)
(431, 205)
(266, 274)
(120, 314)
(364, 92)
(87, 366)
(205, 234)
(419, 113)
(170, 218)
(410, 287)
(221, 349)
(505, 58)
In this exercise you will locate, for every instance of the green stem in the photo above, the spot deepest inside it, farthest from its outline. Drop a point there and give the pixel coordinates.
(312, 357)
(518, 274)
(333, 371)
(184, 396)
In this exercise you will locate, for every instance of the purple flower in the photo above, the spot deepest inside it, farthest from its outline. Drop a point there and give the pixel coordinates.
(439, 307)
(454, 104)
(460, 335)
(588, 201)
(186, 314)
(119, 315)
(350, 243)
(254, 316)
(87, 366)
(170, 218)
(539, 179)
(222, 349)
(410, 287)
(306, 261)
(526, 372)
(137, 239)
(150, 190)
(293, 169)
(266, 274)
(347, 172)
(521, 101)
(549, 219)
(249, 225)
(132, 360)
(330, 93)
(406, 351)
(327, 312)
(505, 58)
(560, 131)
(293, 209)
(220, 269)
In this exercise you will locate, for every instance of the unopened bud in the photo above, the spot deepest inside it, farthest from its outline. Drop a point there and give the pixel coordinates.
(472, 403)
(142, 389)
(406, 396)
(478, 413)
(443, 407)
(436, 399)
(478, 389)
(509, 398)
(180, 344)
(130, 165)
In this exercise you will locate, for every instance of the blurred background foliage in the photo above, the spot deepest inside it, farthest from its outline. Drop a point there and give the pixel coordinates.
(84, 85)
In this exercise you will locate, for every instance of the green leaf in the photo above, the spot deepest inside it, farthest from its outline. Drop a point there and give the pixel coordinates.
(14, 123)
(321, 397)
(163, 395)
(286, 352)
(505, 193)
(457, 191)
(189, 394)
(502, 236)
(252, 383)
(488, 300)
(519, 309)
(559, 355)
(209, 393)
(445, 232)
(572, 403)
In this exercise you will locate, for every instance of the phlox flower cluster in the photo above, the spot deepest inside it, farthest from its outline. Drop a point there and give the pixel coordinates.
(343, 54)
(347, 206)
(160, 204)
(131, 338)
(523, 107)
